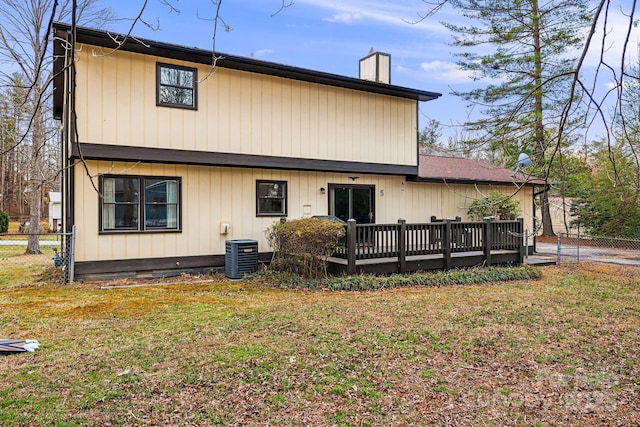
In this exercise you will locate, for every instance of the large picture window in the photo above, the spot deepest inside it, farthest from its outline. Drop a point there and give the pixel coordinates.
(136, 203)
(271, 198)
(176, 86)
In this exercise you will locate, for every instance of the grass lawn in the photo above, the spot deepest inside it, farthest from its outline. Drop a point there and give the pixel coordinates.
(560, 350)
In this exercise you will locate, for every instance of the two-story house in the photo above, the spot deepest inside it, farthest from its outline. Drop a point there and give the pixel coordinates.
(167, 157)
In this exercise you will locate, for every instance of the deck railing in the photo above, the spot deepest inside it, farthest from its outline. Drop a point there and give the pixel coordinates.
(402, 240)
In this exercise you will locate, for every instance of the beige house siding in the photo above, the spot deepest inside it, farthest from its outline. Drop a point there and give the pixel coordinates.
(307, 128)
(214, 195)
(561, 216)
(451, 200)
(240, 112)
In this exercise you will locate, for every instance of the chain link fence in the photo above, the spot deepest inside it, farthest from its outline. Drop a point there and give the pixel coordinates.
(54, 257)
(573, 248)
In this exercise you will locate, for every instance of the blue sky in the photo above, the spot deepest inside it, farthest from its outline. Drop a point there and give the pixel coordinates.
(332, 36)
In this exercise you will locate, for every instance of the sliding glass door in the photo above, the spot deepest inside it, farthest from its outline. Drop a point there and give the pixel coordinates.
(352, 202)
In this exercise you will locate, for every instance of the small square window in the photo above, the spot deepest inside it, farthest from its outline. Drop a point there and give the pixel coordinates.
(176, 86)
(271, 198)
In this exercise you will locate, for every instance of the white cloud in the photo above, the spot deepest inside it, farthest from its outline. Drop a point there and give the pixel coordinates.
(345, 18)
(617, 27)
(261, 53)
(445, 71)
(404, 13)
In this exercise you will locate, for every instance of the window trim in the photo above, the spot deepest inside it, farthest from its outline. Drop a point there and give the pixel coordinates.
(285, 197)
(142, 227)
(194, 105)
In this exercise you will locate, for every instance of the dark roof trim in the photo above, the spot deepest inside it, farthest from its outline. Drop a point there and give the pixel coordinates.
(205, 158)
(165, 50)
(518, 183)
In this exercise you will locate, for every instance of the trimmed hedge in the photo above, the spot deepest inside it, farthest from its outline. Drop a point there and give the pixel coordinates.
(427, 279)
(302, 246)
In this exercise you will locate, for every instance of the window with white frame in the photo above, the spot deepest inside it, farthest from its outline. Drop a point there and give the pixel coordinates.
(271, 198)
(139, 203)
(176, 86)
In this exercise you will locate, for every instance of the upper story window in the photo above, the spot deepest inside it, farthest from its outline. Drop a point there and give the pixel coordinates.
(138, 203)
(271, 198)
(176, 86)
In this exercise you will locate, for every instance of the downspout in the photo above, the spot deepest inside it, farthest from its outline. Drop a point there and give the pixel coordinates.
(66, 206)
(72, 125)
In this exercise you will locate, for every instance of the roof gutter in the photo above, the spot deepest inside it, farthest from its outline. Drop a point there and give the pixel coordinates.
(442, 180)
(107, 39)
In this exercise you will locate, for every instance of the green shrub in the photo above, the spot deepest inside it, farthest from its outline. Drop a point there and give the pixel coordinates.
(302, 246)
(496, 205)
(362, 282)
(4, 222)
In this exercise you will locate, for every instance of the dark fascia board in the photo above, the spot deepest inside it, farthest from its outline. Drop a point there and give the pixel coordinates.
(203, 158)
(58, 75)
(105, 39)
(414, 178)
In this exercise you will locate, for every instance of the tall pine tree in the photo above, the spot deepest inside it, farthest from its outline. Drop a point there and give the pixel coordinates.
(523, 48)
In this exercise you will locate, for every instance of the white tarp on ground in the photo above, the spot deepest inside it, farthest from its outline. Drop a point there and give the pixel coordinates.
(12, 346)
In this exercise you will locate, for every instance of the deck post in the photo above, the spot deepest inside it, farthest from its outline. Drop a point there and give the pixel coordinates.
(446, 244)
(487, 241)
(402, 245)
(351, 246)
(520, 233)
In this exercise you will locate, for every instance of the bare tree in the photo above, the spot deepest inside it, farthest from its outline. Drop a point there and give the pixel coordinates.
(25, 34)
(522, 50)
(579, 89)
(12, 114)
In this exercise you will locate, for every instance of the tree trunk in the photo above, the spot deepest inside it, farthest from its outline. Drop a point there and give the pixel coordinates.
(547, 226)
(36, 172)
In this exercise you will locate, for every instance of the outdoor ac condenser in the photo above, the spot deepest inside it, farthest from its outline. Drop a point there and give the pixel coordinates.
(241, 257)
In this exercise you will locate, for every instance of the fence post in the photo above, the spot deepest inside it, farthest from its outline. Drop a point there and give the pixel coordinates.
(487, 241)
(351, 246)
(402, 245)
(559, 246)
(72, 255)
(446, 244)
(519, 233)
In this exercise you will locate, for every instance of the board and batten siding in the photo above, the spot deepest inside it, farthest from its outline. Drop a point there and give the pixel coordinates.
(451, 200)
(240, 112)
(214, 195)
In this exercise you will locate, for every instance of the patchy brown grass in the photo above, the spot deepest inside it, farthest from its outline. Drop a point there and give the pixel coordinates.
(562, 350)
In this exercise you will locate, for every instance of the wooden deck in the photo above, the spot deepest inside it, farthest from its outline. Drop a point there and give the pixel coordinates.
(405, 248)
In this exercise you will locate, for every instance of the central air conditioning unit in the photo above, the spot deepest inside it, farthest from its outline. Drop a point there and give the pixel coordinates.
(241, 257)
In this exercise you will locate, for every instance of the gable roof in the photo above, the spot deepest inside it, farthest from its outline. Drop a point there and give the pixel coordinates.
(107, 39)
(55, 197)
(469, 171)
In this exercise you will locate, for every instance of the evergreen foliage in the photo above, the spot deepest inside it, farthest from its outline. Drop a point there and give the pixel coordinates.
(522, 50)
(607, 198)
(608, 202)
(475, 276)
(4, 222)
(496, 205)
